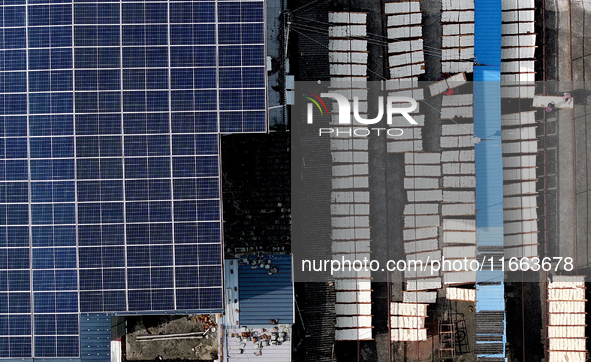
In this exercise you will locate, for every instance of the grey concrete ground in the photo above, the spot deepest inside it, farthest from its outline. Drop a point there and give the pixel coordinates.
(573, 198)
(568, 137)
(581, 70)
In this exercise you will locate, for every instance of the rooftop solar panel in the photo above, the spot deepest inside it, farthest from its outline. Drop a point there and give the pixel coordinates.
(109, 164)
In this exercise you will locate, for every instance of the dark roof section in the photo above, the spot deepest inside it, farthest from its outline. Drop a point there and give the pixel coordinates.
(310, 28)
(317, 303)
(256, 192)
(491, 359)
(489, 348)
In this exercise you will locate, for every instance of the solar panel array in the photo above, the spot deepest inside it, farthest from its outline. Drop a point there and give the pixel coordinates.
(110, 115)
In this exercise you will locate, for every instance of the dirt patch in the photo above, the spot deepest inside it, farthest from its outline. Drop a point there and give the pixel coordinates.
(149, 338)
(416, 351)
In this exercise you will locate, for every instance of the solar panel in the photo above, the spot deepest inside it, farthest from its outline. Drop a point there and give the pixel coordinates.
(109, 165)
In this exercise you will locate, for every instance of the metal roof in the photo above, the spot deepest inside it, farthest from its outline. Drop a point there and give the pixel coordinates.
(490, 306)
(95, 337)
(487, 33)
(488, 153)
(490, 297)
(271, 353)
(264, 297)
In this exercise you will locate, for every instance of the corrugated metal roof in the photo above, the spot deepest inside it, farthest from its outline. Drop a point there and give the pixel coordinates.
(489, 171)
(95, 337)
(488, 154)
(490, 297)
(264, 297)
(487, 37)
(487, 103)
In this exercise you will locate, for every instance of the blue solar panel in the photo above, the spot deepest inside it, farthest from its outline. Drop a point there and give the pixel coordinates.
(45, 346)
(19, 303)
(3, 298)
(19, 346)
(101, 208)
(45, 324)
(19, 324)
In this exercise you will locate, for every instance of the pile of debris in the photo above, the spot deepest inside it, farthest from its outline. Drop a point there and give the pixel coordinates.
(259, 338)
(259, 262)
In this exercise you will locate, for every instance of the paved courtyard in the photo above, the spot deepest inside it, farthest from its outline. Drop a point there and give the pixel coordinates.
(569, 141)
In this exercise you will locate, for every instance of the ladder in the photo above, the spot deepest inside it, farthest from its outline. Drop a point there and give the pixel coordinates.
(447, 340)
